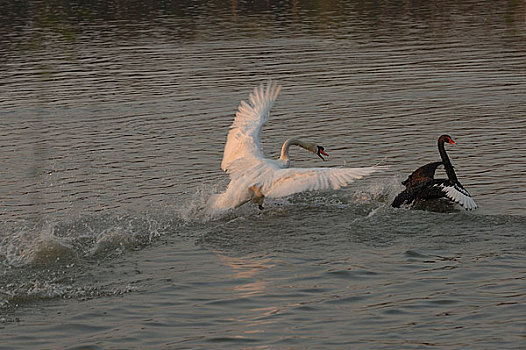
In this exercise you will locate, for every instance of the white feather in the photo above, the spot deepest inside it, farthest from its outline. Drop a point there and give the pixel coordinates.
(243, 140)
(288, 181)
(459, 195)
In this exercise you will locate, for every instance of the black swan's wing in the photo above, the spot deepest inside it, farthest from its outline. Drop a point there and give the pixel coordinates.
(422, 175)
(418, 184)
(406, 196)
(426, 189)
(457, 193)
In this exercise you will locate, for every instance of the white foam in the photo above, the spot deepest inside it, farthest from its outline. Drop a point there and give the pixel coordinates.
(84, 236)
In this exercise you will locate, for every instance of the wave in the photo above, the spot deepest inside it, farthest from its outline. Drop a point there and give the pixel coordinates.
(50, 260)
(51, 241)
(46, 243)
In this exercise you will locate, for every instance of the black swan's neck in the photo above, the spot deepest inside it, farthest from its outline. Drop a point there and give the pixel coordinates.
(447, 163)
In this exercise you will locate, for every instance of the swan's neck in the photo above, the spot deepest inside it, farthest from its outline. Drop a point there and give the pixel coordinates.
(285, 149)
(447, 163)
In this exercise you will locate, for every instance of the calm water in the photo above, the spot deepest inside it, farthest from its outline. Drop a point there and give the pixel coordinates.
(113, 119)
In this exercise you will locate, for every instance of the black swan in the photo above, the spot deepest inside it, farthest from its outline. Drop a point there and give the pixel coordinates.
(421, 184)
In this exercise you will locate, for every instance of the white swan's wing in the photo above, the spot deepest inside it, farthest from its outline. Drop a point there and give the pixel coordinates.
(243, 138)
(293, 180)
(459, 194)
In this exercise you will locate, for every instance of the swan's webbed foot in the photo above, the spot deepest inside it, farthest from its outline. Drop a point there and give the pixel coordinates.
(257, 196)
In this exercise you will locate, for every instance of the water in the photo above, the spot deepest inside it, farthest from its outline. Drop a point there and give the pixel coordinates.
(113, 119)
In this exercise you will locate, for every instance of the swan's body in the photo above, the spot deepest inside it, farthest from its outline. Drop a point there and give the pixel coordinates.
(422, 185)
(253, 177)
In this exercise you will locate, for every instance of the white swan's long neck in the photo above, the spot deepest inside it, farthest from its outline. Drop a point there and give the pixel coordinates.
(294, 142)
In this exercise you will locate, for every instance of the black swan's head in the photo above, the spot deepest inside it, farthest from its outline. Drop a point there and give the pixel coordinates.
(446, 139)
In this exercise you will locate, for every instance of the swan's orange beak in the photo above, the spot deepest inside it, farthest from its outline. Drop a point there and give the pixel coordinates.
(322, 151)
(451, 142)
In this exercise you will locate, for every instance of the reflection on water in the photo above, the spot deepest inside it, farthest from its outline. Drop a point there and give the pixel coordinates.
(113, 121)
(247, 268)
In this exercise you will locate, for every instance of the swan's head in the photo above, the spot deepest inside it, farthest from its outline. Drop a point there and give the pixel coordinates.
(314, 148)
(320, 151)
(446, 139)
(309, 146)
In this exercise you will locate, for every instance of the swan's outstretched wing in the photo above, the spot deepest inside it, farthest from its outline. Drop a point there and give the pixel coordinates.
(421, 175)
(293, 180)
(458, 194)
(243, 139)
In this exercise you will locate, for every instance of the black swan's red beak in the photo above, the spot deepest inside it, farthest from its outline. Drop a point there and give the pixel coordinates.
(321, 151)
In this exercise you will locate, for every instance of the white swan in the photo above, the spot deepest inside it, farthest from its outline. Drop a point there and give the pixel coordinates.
(253, 177)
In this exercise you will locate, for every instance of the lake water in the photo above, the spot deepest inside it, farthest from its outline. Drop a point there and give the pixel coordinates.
(113, 121)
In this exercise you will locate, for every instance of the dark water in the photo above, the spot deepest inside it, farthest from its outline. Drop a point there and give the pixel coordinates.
(113, 119)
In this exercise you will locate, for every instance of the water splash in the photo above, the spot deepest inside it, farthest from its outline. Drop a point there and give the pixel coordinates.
(49, 260)
(372, 193)
(377, 195)
(380, 190)
(48, 243)
(51, 241)
(197, 208)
